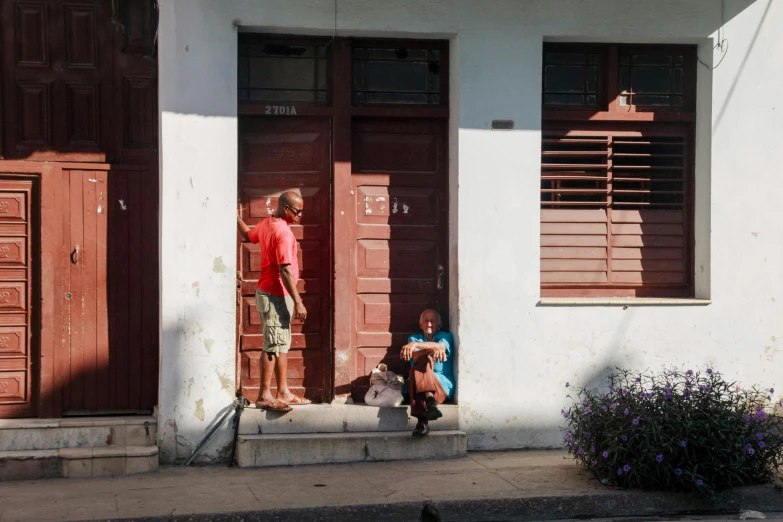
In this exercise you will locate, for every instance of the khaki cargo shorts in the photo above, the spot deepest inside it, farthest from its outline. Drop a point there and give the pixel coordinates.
(276, 314)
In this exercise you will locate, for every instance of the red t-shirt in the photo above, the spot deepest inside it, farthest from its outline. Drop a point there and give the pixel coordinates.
(278, 247)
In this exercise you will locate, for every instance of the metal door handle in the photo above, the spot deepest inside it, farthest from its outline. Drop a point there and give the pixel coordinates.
(440, 277)
(75, 255)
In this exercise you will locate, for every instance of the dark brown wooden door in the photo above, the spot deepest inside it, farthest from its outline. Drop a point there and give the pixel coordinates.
(400, 182)
(18, 244)
(57, 79)
(276, 155)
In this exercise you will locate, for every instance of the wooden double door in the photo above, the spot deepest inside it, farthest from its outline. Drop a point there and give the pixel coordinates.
(373, 236)
(78, 208)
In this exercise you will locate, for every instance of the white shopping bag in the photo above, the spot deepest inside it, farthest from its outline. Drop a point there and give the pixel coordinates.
(385, 388)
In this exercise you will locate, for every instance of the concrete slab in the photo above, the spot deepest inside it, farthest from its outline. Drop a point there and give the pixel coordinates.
(331, 448)
(340, 418)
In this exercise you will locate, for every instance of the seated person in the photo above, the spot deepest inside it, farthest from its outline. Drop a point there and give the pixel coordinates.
(431, 377)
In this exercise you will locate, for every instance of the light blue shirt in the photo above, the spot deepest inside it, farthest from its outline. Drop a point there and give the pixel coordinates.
(444, 371)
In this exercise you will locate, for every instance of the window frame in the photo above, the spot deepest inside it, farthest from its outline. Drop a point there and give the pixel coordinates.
(649, 120)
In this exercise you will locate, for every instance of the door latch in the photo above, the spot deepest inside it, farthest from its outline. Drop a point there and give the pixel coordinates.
(75, 255)
(440, 277)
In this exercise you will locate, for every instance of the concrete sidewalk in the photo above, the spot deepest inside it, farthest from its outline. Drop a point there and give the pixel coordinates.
(519, 485)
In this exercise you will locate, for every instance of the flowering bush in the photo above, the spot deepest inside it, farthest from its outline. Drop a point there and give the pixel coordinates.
(675, 430)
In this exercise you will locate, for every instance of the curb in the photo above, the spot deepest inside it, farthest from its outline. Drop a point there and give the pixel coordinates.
(608, 505)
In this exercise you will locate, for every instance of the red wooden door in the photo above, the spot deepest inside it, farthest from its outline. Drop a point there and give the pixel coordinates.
(18, 243)
(400, 183)
(108, 264)
(276, 155)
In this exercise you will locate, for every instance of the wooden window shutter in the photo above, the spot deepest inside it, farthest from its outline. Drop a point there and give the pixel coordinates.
(614, 213)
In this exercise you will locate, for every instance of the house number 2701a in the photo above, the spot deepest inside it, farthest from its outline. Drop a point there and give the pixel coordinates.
(283, 110)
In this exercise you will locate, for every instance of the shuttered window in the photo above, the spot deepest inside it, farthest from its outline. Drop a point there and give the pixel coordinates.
(616, 185)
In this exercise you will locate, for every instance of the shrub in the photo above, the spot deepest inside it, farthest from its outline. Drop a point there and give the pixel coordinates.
(674, 430)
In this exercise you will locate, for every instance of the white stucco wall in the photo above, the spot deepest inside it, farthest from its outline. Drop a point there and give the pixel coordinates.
(514, 355)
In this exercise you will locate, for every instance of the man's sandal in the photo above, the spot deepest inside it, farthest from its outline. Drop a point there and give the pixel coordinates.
(273, 406)
(298, 401)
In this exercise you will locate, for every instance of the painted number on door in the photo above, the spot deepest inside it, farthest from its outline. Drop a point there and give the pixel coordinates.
(283, 110)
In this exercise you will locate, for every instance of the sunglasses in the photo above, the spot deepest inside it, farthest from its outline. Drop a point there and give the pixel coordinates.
(295, 211)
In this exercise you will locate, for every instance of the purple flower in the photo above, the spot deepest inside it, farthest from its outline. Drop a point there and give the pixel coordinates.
(668, 396)
(636, 421)
(626, 411)
(587, 409)
(772, 390)
(587, 435)
(603, 408)
(614, 405)
(751, 451)
(637, 380)
(626, 468)
(759, 436)
(565, 414)
(581, 451)
(689, 372)
(699, 482)
(619, 471)
(568, 384)
(605, 454)
(684, 443)
(762, 444)
(624, 437)
(678, 472)
(687, 393)
(659, 458)
(709, 371)
(625, 390)
(592, 449)
(707, 389)
(595, 462)
(747, 417)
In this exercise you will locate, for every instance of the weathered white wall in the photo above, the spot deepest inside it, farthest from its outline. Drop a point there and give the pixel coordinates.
(514, 355)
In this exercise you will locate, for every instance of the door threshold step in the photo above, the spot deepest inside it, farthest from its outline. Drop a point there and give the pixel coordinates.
(340, 418)
(333, 448)
(54, 434)
(77, 462)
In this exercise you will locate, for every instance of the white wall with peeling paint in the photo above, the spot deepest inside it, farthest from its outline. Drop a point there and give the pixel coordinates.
(514, 355)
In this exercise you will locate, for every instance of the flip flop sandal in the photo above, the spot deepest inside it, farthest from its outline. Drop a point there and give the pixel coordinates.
(274, 406)
(298, 401)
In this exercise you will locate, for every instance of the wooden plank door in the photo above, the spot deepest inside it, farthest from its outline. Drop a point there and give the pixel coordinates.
(18, 319)
(276, 155)
(108, 360)
(400, 184)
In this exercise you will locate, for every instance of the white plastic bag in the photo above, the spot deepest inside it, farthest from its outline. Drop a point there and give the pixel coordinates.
(385, 388)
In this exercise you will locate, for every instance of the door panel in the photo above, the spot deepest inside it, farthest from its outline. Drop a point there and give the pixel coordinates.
(58, 80)
(276, 155)
(17, 313)
(399, 178)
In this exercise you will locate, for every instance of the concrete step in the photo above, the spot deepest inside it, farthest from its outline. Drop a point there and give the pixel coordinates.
(340, 418)
(256, 451)
(77, 432)
(77, 462)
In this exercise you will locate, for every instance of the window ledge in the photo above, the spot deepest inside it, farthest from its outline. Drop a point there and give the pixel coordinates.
(621, 301)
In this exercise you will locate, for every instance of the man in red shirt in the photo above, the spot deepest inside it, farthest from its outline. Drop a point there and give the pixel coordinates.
(277, 295)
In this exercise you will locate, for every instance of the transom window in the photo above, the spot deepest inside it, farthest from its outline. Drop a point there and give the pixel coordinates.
(397, 75)
(272, 72)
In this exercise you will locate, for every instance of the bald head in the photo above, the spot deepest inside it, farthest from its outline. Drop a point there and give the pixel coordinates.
(290, 198)
(289, 207)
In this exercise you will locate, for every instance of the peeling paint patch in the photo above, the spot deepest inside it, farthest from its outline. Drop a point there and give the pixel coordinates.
(208, 344)
(199, 413)
(225, 383)
(190, 385)
(219, 267)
